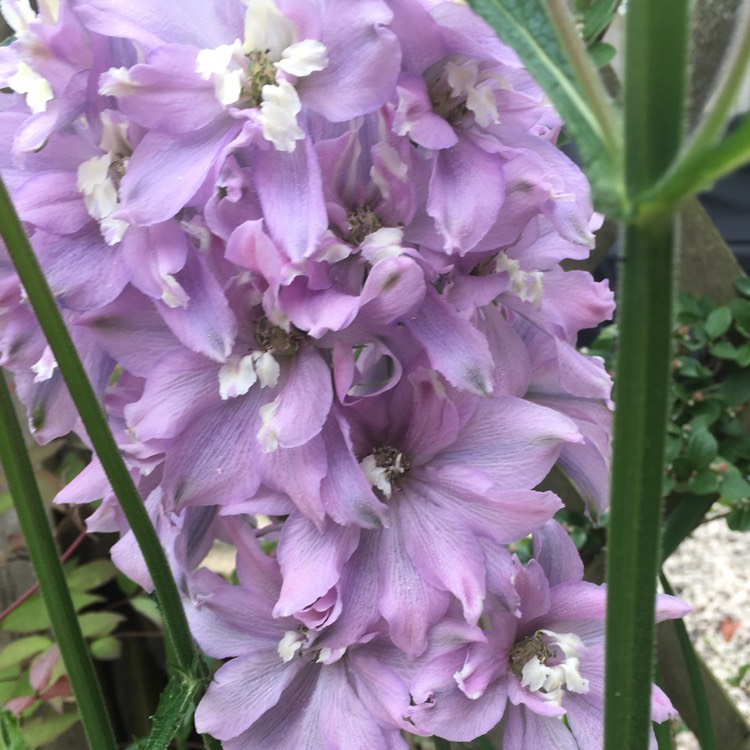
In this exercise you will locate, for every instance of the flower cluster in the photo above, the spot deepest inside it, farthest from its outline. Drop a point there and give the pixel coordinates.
(310, 252)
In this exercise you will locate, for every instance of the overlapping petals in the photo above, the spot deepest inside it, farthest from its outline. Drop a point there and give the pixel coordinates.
(311, 254)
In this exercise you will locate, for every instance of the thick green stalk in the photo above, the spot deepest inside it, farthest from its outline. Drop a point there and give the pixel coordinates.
(641, 397)
(656, 38)
(654, 102)
(49, 572)
(84, 398)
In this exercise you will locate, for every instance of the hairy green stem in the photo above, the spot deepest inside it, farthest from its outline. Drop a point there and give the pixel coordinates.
(44, 305)
(49, 572)
(641, 398)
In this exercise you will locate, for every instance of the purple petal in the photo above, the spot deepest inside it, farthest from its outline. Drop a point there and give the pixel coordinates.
(181, 162)
(206, 325)
(291, 195)
(444, 551)
(410, 605)
(467, 189)
(179, 386)
(218, 459)
(52, 201)
(192, 22)
(512, 440)
(242, 691)
(347, 495)
(311, 560)
(364, 60)
(555, 552)
(526, 730)
(167, 94)
(456, 349)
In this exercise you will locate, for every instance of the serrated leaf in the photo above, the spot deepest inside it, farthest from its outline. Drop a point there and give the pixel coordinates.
(702, 448)
(91, 575)
(525, 26)
(718, 322)
(24, 648)
(43, 731)
(106, 649)
(176, 706)
(98, 624)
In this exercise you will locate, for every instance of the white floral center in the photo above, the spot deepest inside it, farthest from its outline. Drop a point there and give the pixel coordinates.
(98, 177)
(245, 73)
(239, 374)
(526, 285)
(37, 89)
(384, 468)
(539, 676)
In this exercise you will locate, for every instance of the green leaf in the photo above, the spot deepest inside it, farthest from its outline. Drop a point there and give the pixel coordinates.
(735, 486)
(147, 607)
(602, 53)
(702, 448)
(43, 731)
(99, 624)
(24, 648)
(736, 387)
(743, 285)
(6, 502)
(743, 355)
(682, 520)
(106, 649)
(739, 519)
(723, 350)
(598, 17)
(176, 706)
(525, 25)
(741, 313)
(91, 575)
(32, 615)
(10, 735)
(718, 322)
(705, 482)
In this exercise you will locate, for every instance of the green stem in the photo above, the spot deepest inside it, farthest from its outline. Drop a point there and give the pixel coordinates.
(656, 42)
(705, 724)
(585, 71)
(49, 571)
(641, 398)
(41, 299)
(711, 127)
